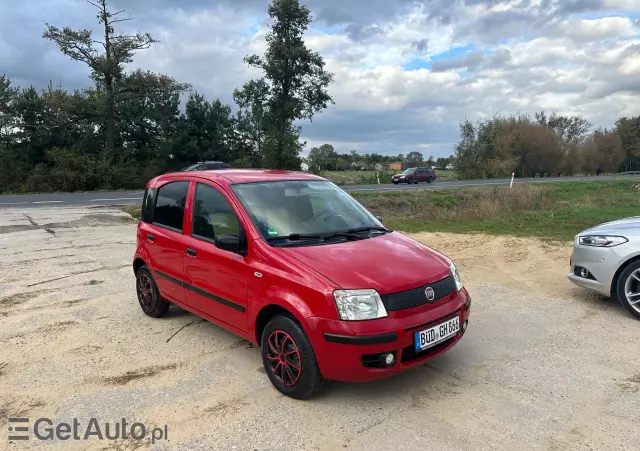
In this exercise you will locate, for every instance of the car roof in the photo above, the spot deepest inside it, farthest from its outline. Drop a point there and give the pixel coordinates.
(229, 176)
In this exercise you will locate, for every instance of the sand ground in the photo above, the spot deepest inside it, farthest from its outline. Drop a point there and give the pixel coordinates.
(544, 365)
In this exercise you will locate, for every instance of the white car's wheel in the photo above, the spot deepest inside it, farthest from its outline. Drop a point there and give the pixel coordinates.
(628, 289)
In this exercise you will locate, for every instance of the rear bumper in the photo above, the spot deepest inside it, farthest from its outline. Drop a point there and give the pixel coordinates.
(349, 351)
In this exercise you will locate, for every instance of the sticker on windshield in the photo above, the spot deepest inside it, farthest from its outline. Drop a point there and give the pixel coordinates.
(272, 232)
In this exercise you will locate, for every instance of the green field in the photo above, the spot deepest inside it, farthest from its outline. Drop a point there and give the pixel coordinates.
(552, 211)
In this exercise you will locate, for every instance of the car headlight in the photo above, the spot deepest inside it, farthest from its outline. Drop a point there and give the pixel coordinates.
(601, 240)
(357, 305)
(456, 276)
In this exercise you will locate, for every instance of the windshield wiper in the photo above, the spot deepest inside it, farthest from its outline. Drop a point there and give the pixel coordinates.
(315, 236)
(368, 229)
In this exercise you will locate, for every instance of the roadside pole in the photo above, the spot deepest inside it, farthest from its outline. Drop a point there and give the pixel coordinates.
(513, 174)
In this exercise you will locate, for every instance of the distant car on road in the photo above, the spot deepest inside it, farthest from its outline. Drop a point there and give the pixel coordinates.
(206, 166)
(415, 175)
(606, 259)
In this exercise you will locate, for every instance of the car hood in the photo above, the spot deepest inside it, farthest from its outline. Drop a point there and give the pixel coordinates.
(631, 225)
(388, 263)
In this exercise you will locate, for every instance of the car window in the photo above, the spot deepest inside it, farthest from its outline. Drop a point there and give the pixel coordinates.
(212, 214)
(210, 166)
(170, 203)
(305, 207)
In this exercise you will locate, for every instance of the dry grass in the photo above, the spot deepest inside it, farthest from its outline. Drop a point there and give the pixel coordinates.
(555, 211)
(133, 210)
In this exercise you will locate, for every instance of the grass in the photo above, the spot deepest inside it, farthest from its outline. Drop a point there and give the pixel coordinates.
(133, 210)
(95, 282)
(553, 211)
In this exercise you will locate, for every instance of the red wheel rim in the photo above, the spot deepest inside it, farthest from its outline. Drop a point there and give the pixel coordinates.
(145, 291)
(283, 358)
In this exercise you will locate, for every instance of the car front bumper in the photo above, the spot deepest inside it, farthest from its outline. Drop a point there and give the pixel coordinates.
(600, 265)
(352, 351)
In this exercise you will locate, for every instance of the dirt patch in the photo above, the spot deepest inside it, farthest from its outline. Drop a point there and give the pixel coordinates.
(16, 299)
(60, 326)
(86, 350)
(3, 368)
(95, 282)
(130, 376)
(18, 407)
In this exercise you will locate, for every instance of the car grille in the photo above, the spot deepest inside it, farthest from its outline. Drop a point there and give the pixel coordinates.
(416, 296)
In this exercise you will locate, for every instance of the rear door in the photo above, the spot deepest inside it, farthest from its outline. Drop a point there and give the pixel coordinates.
(421, 174)
(165, 240)
(217, 278)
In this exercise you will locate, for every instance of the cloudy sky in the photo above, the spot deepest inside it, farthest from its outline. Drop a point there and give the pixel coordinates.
(406, 71)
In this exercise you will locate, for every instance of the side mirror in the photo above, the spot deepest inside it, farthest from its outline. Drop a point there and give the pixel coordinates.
(379, 218)
(229, 243)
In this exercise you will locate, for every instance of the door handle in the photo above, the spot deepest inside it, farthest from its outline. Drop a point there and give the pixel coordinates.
(150, 237)
(191, 252)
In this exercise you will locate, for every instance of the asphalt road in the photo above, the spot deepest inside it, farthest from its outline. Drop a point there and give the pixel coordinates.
(131, 197)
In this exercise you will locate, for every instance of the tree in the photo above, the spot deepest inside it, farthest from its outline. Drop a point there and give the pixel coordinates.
(106, 63)
(252, 119)
(296, 78)
(628, 129)
(319, 157)
(414, 159)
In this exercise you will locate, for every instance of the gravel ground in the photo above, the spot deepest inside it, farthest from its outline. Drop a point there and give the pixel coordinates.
(543, 366)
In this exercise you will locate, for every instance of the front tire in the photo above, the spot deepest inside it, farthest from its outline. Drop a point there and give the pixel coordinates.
(289, 359)
(149, 297)
(628, 289)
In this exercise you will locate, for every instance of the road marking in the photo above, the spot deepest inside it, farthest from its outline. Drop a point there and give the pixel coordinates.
(47, 202)
(13, 203)
(116, 198)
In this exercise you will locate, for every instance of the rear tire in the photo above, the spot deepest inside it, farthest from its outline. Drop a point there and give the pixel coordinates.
(629, 282)
(289, 359)
(149, 297)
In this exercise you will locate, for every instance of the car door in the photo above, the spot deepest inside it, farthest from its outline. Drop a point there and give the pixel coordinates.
(165, 239)
(217, 278)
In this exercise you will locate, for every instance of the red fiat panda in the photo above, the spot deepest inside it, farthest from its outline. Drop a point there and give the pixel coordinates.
(295, 265)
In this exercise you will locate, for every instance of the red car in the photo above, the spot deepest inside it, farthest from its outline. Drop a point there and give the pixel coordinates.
(295, 265)
(415, 175)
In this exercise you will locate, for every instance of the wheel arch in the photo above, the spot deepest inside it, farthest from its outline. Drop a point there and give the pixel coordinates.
(269, 311)
(137, 264)
(614, 281)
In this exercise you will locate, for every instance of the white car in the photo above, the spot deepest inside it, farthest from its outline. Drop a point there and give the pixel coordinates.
(606, 259)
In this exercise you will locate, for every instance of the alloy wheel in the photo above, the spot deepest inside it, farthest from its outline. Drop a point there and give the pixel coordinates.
(145, 291)
(632, 290)
(283, 358)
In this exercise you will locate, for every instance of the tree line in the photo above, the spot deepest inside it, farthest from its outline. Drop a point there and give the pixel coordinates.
(130, 126)
(546, 145)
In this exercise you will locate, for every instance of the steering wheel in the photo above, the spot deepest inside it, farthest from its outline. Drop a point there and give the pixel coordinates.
(322, 213)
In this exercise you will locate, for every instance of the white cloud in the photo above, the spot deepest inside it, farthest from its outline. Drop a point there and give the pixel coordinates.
(573, 56)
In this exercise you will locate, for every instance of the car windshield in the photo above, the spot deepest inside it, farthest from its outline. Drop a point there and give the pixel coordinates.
(309, 209)
(409, 171)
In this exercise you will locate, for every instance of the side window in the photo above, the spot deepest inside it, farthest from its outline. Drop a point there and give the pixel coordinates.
(148, 203)
(212, 214)
(170, 203)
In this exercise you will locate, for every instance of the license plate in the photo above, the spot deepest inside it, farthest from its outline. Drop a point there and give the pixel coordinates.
(430, 337)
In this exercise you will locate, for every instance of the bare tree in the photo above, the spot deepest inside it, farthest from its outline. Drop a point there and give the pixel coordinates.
(106, 57)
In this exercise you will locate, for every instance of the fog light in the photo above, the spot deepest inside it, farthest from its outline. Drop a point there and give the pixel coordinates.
(389, 359)
(464, 325)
